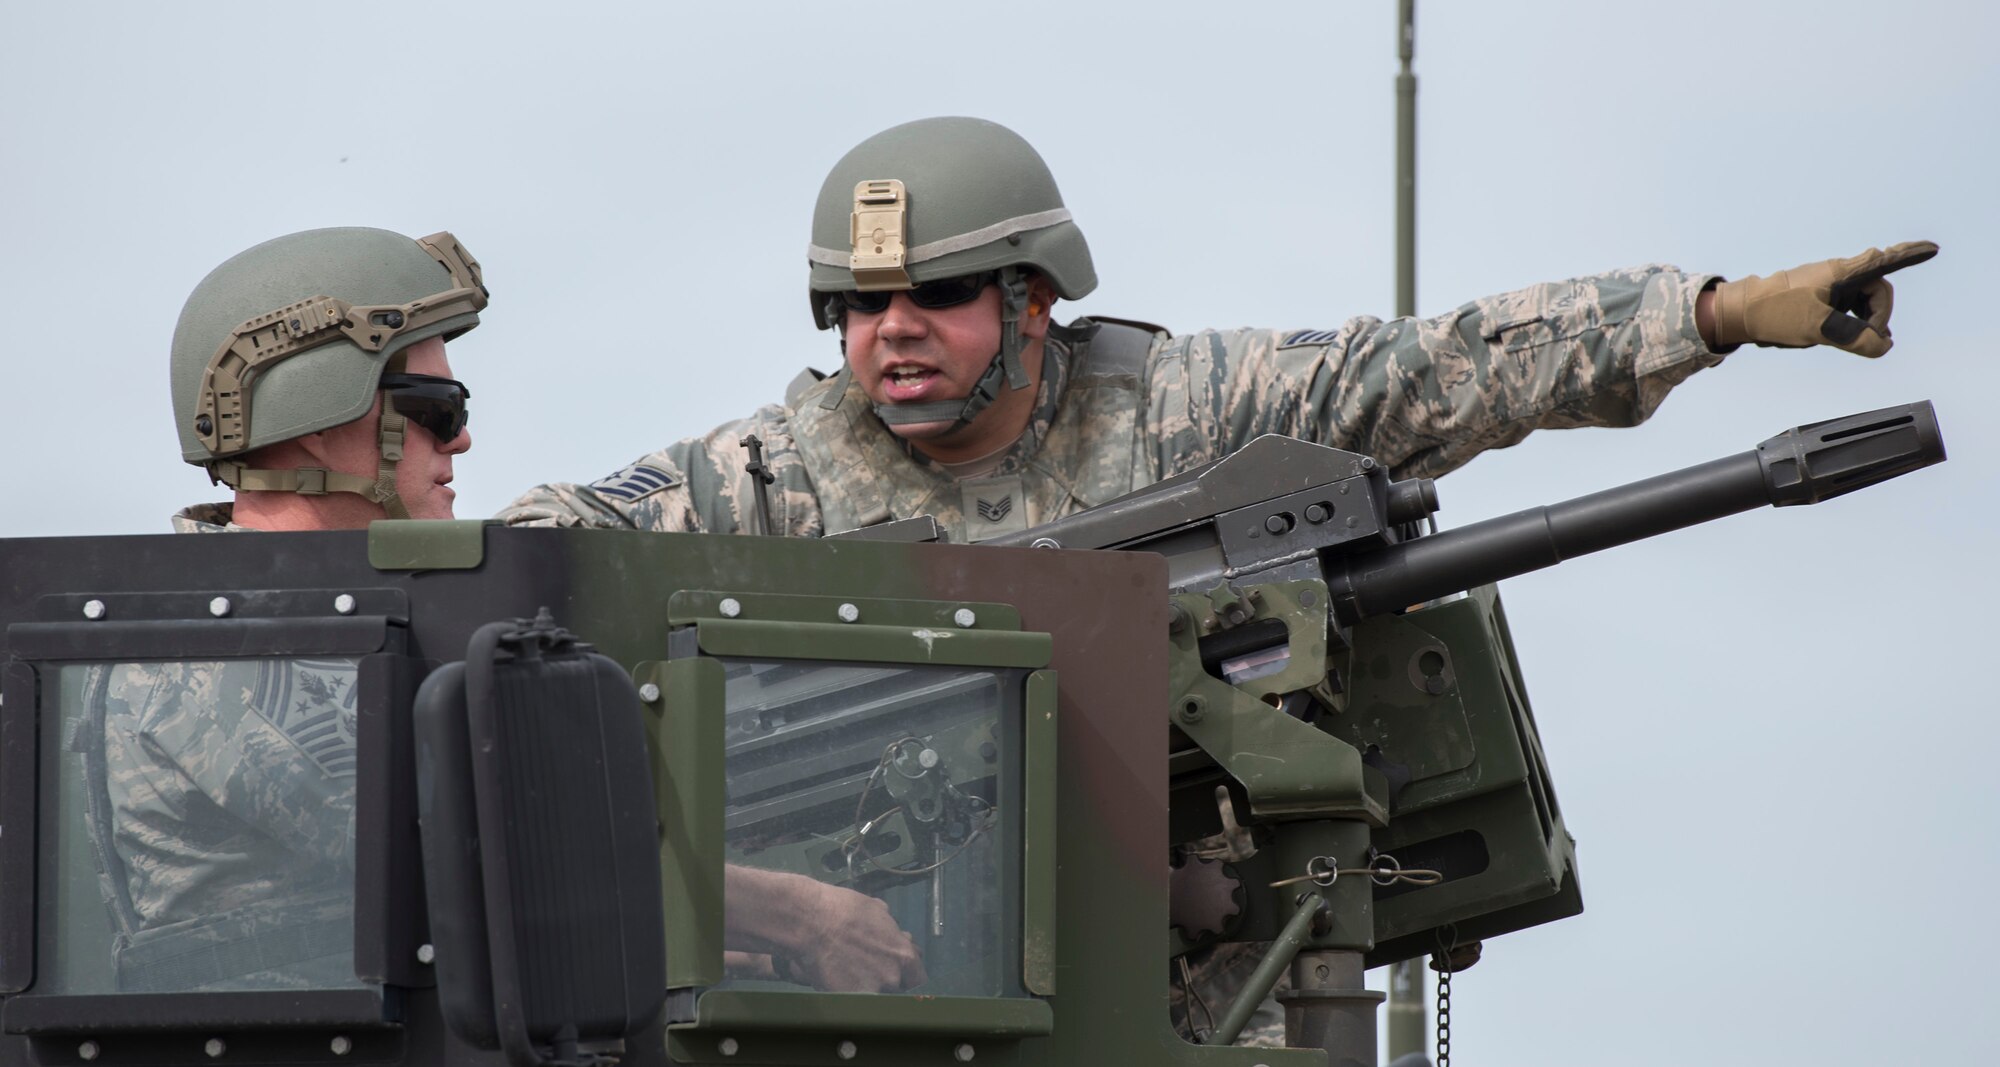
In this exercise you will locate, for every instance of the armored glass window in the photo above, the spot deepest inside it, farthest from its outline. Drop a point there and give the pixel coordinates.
(901, 783)
(209, 805)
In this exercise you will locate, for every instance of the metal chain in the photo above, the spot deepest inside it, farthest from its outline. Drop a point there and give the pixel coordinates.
(1444, 1017)
(1382, 870)
(1447, 940)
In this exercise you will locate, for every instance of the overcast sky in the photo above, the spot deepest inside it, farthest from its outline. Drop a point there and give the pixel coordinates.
(1772, 736)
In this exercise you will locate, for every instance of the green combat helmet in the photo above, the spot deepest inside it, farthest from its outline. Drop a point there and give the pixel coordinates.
(940, 198)
(292, 337)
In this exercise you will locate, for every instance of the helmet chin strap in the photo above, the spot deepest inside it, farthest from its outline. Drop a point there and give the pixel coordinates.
(318, 481)
(1006, 364)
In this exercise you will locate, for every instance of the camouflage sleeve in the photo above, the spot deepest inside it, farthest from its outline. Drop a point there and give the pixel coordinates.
(699, 485)
(1426, 395)
(270, 742)
(229, 781)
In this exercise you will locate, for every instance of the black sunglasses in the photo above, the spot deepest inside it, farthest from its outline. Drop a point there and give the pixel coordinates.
(943, 293)
(436, 404)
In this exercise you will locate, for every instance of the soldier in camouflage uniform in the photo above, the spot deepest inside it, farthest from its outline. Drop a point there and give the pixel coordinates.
(228, 790)
(231, 783)
(938, 251)
(1037, 420)
(309, 374)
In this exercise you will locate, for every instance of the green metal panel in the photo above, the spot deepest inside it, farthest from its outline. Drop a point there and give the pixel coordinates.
(1439, 693)
(861, 643)
(1405, 698)
(1038, 838)
(685, 726)
(695, 605)
(1105, 616)
(426, 544)
(865, 1013)
(810, 1028)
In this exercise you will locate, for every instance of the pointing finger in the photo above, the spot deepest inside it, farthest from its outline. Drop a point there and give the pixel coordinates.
(1875, 262)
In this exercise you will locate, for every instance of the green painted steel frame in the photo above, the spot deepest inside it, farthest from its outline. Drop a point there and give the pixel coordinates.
(687, 739)
(861, 643)
(705, 605)
(1038, 838)
(686, 731)
(1320, 776)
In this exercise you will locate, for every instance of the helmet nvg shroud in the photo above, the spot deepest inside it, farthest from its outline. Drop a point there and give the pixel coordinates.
(938, 198)
(292, 337)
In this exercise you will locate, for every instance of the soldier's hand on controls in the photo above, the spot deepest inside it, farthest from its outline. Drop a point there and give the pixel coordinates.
(1840, 302)
(853, 946)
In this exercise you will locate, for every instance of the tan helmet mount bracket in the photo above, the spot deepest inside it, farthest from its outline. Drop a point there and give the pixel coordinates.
(881, 218)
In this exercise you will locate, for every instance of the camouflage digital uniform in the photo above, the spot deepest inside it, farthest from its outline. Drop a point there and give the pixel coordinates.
(1423, 396)
(206, 518)
(1120, 409)
(224, 823)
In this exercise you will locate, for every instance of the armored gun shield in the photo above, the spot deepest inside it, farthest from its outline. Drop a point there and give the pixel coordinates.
(965, 736)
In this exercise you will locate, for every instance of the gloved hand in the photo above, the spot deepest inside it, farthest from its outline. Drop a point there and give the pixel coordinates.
(1839, 302)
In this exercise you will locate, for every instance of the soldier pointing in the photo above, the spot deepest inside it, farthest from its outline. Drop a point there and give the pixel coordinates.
(939, 249)
(938, 252)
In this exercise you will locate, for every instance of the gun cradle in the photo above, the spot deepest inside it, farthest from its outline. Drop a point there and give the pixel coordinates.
(1431, 741)
(1302, 684)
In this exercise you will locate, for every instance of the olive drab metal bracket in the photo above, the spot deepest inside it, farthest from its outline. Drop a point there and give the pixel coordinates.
(880, 221)
(222, 408)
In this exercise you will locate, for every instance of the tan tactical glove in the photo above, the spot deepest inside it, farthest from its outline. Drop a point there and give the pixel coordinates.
(1839, 302)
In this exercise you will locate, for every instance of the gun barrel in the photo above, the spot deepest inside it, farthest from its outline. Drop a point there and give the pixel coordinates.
(1801, 466)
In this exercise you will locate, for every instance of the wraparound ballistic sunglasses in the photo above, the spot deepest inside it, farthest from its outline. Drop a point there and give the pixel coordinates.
(436, 404)
(942, 293)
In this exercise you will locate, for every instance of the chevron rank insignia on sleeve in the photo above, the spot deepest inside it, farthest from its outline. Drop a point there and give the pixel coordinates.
(634, 482)
(1308, 337)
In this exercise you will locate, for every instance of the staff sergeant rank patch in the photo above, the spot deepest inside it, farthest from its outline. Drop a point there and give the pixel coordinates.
(633, 483)
(993, 506)
(1298, 338)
